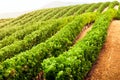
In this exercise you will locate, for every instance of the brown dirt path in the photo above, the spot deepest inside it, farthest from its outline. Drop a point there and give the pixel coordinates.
(95, 10)
(116, 7)
(107, 66)
(105, 9)
(83, 32)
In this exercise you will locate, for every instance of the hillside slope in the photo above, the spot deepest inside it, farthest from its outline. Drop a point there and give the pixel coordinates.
(109, 56)
(43, 42)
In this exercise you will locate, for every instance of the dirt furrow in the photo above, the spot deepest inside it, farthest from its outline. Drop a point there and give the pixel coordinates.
(83, 32)
(107, 66)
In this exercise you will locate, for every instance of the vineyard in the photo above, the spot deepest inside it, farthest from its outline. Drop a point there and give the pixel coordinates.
(46, 44)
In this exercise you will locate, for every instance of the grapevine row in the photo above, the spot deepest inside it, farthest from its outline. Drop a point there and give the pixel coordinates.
(24, 18)
(82, 9)
(26, 65)
(103, 6)
(72, 10)
(20, 34)
(75, 63)
(93, 7)
(32, 39)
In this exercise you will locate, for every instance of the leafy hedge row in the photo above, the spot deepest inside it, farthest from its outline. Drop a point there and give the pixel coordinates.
(32, 13)
(60, 13)
(113, 4)
(24, 17)
(8, 30)
(82, 9)
(30, 17)
(33, 39)
(93, 7)
(35, 18)
(118, 13)
(103, 6)
(3, 21)
(51, 14)
(20, 20)
(26, 65)
(48, 16)
(72, 10)
(75, 63)
(20, 34)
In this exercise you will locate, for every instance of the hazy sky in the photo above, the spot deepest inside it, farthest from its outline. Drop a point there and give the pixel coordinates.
(26, 5)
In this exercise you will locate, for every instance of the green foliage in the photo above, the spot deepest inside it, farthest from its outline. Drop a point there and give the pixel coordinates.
(60, 13)
(28, 16)
(20, 34)
(82, 9)
(48, 16)
(103, 6)
(113, 4)
(118, 13)
(27, 64)
(33, 39)
(75, 63)
(93, 7)
(29, 39)
(72, 10)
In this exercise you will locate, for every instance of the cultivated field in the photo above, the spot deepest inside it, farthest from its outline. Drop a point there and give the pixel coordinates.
(79, 42)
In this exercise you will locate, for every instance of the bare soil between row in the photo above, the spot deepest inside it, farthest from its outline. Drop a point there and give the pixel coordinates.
(107, 66)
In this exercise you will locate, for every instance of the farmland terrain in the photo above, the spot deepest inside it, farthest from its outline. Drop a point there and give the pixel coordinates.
(73, 42)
